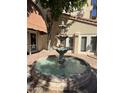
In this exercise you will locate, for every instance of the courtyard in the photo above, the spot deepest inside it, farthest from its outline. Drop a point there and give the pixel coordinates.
(62, 53)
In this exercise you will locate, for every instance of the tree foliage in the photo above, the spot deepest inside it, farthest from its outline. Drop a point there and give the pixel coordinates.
(58, 6)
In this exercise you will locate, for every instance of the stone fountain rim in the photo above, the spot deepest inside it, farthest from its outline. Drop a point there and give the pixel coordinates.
(75, 81)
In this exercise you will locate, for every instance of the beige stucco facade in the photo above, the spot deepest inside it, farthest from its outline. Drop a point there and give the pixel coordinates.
(81, 30)
(77, 31)
(85, 11)
(84, 29)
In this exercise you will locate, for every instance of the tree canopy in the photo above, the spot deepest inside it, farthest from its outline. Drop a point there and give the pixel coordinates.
(58, 6)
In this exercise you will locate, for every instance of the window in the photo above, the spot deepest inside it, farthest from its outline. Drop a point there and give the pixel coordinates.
(94, 44)
(83, 43)
(33, 41)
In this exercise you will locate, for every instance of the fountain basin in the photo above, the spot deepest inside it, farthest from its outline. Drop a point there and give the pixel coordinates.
(62, 37)
(73, 74)
(62, 50)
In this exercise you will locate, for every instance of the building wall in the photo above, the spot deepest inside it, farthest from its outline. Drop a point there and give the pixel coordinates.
(87, 31)
(41, 41)
(82, 28)
(85, 10)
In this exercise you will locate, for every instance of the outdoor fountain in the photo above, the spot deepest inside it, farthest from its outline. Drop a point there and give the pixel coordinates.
(62, 49)
(60, 74)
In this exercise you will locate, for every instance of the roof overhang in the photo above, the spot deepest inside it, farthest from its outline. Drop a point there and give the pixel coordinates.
(36, 22)
(81, 20)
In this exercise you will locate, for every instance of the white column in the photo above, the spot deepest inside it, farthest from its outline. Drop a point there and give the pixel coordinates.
(67, 42)
(77, 43)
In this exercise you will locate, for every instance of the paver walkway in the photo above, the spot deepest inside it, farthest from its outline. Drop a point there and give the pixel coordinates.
(91, 59)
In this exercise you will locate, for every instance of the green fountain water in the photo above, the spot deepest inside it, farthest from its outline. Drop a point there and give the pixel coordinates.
(50, 66)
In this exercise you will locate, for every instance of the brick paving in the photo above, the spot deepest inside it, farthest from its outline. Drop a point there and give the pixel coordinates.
(89, 58)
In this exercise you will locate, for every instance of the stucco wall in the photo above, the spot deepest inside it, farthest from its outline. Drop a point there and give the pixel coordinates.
(84, 29)
(42, 41)
(85, 10)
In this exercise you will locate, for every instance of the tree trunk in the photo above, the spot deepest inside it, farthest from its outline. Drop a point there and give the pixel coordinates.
(49, 34)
